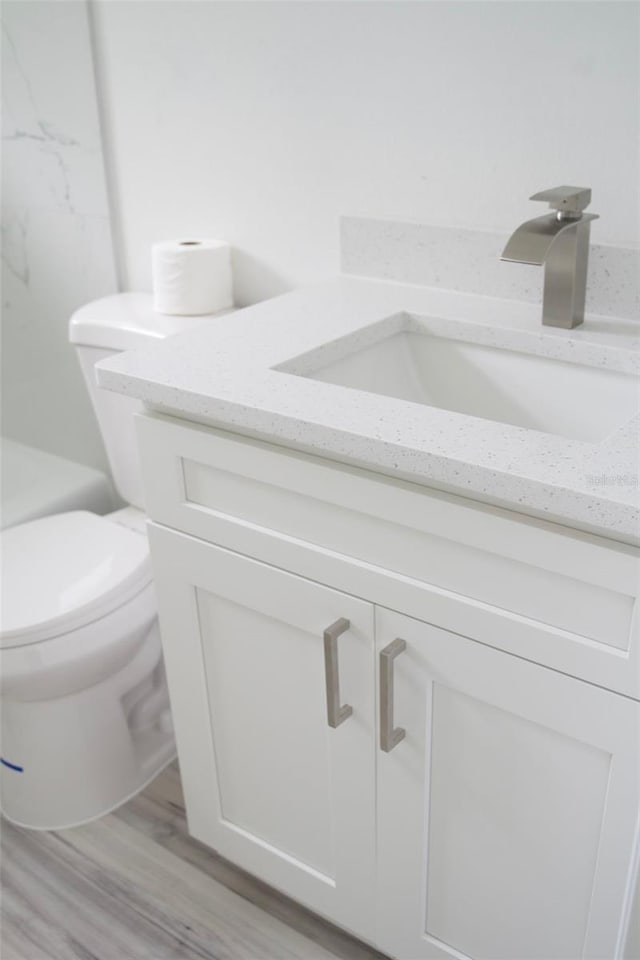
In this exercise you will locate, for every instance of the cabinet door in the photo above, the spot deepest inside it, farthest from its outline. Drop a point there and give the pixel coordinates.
(268, 782)
(506, 815)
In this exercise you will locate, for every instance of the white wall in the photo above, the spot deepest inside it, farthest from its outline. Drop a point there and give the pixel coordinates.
(263, 122)
(57, 252)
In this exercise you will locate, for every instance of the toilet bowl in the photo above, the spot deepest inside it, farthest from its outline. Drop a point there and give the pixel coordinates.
(85, 709)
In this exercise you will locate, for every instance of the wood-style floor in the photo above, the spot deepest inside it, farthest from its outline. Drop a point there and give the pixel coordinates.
(135, 886)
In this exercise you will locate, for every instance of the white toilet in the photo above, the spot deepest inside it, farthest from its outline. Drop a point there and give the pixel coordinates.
(85, 709)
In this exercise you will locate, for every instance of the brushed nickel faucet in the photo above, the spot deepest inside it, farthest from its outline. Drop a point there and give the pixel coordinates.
(560, 241)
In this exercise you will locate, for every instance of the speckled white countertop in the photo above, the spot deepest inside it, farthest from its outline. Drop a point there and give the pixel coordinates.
(222, 372)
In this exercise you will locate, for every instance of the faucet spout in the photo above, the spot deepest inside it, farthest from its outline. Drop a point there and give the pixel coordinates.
(560, 241)
(532, 241)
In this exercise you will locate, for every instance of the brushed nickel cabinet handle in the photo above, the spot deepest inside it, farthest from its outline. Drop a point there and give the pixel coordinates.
(389, 737)
(336, 714)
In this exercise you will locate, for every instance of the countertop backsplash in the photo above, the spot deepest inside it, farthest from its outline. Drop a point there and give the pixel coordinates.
(469, 261)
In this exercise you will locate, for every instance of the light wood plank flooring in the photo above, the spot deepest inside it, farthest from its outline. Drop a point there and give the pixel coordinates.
(135, 886)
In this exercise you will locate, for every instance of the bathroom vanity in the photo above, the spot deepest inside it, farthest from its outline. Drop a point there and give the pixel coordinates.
(402, 640)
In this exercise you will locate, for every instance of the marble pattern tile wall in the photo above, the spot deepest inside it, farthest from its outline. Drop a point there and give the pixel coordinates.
(56, 234)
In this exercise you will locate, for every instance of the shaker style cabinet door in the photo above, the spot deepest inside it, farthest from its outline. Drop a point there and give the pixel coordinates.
(507, 811)
(272, 682)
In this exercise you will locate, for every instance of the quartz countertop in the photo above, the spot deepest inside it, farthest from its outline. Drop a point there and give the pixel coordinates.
(224, 372)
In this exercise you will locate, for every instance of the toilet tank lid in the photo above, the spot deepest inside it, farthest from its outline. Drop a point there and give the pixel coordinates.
(61, 572)
(126, 321)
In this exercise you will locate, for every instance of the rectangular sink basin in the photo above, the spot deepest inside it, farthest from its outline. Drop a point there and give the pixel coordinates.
(442, 364)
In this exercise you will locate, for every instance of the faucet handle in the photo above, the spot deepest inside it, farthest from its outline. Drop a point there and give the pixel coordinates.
(568, 201)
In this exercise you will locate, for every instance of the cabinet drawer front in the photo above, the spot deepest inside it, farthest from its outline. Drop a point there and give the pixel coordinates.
(577, 591)
(268, 783)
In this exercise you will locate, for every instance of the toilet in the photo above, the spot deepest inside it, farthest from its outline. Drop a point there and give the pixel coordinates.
(86, 722)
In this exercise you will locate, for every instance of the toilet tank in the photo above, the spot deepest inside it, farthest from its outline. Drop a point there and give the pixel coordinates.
(125, 321)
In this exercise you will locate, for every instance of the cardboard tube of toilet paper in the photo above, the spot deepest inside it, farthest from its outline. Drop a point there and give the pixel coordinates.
(191, 277)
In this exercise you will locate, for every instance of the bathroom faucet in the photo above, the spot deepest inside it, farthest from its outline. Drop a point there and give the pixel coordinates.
(560, 241)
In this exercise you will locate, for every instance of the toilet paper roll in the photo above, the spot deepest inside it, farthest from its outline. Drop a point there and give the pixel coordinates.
(191, 277)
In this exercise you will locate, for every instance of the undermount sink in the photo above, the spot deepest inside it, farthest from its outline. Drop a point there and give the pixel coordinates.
(445, 364)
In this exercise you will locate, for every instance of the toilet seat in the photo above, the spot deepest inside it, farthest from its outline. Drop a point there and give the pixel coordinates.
(76, 660)
(65, 571)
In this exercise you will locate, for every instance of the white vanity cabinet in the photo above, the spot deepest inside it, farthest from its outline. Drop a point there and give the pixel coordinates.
(502, 825)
